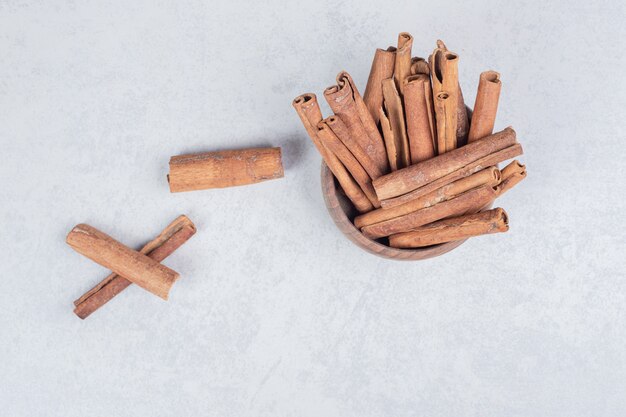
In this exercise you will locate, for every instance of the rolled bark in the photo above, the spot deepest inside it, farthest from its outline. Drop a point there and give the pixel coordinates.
(445, 118)
(444, 68)
(482, 163)
(132, 265)
(402, 67)
(486, 106)
(343, 133)
(382, 68)
(392, 104)
(490, 176)
(512, 174)
(457, 228)
(418, 119)
(419, 66)
(333, 144)
(411, 178)
(310, 114)
(224, 169)
(170, 239)
(467, 202)
(346, 102)
(390, 140)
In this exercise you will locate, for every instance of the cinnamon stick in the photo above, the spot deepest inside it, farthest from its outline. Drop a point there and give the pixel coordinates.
(411, 178)
(467, 202)
(393, 110)
(486, 105)
(224, 169)
(132, 265)
(333, 144)
(346, 102)
(417, 98)
(310, 114)
(489, 176)
(393, 153)
(489, 160)
(444, 67)
(512, 174)
(382, 68)
(457, 228)
(419, 66)
(402, 68)
(347, 138)
(170, 239)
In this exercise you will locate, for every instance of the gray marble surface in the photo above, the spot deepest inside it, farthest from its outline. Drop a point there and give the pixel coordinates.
(277, 314)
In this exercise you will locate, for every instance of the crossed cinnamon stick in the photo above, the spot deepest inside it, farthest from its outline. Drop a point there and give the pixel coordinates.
(141, 267)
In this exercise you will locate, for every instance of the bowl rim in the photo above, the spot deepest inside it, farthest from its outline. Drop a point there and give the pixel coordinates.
(345, 225)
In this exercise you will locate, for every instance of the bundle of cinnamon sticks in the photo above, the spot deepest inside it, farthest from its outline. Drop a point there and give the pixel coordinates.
(419, 167)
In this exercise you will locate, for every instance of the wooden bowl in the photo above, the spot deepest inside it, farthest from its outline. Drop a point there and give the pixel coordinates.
(343, 212)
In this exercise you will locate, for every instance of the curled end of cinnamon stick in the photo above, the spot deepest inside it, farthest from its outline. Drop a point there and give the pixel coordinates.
(502, 220)
(491, 76)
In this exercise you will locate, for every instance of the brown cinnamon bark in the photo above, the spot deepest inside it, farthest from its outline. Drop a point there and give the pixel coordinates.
(402, 67)
(170, 239)
(457, 228)
(411, 178)
(512, 174)
(346, 102)
(310, 114)
(489, 176)
(333, 144)
(343, 133)
(390, 140)
(224, 169)
(486, 105)
(418, 119)
(469, 201)
(471, 168)
(419, 66)
(444, 67)
(393, 110)
(132, 265)
(382, 68)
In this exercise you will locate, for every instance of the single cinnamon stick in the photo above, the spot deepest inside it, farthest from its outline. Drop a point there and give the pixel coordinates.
(346, 102)
(456, 228)
(467, 202)
(489, 160)
(512, 174)
(419, 66)
(411, 178)
(382, 68)
(310, 114)
(418, 120)
(486, 105)
(170, 239)
(390, 141)
(340, 129)
(489, 176)
(444, 67)
(333, 144)
(393, 109)
(445, 120)
(224, 169)
(402, 68)
(132, 265)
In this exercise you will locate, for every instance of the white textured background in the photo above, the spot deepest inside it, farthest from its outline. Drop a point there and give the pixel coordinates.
(277, 314)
